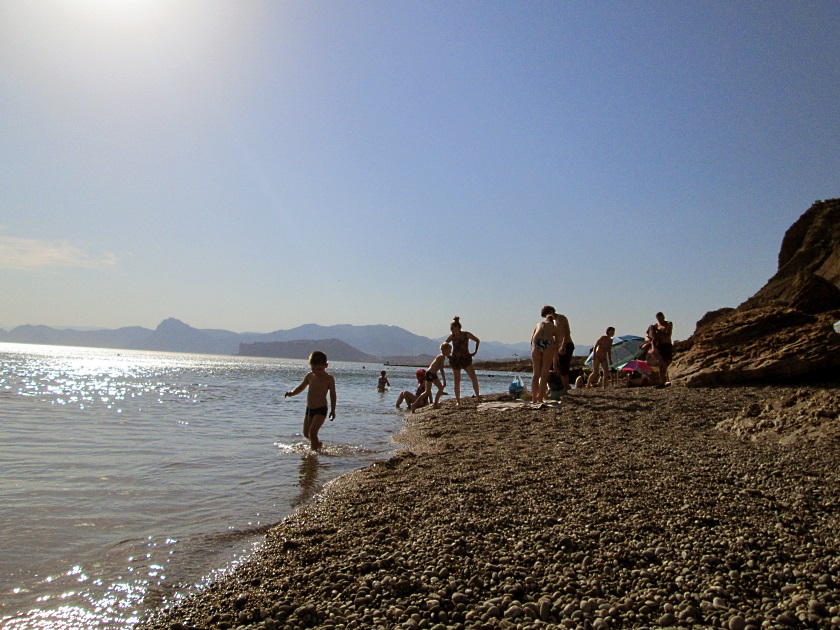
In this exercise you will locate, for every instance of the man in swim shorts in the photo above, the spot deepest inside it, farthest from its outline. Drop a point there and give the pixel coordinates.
(566, 349)
(601, 358)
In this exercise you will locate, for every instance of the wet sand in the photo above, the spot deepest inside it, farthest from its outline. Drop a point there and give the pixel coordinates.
(617, 509)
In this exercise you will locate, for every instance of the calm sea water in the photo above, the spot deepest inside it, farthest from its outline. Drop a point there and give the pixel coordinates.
(127, 477)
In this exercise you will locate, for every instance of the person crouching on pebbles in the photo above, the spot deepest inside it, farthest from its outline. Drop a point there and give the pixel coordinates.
(320, 383)
(432, 377)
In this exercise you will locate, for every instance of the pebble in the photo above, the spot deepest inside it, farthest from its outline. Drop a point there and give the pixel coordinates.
(623, 508)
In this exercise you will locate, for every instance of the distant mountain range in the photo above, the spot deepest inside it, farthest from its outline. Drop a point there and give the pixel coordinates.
(374, 342)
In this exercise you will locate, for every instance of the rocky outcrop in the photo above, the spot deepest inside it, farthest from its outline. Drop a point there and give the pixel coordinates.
(784, 332)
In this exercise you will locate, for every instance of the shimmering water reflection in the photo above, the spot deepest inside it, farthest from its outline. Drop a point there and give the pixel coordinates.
(126, 477)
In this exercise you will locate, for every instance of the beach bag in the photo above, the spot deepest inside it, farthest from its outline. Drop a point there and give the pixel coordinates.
(516, 387)
(654, 359)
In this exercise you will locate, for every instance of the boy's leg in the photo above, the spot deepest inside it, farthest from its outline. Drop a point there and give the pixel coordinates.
(596, 373)
(439, 392)
(315, 425)
(307, 422)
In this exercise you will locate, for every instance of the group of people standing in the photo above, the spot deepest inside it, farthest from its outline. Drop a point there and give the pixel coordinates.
(551, 352)
(552, 348)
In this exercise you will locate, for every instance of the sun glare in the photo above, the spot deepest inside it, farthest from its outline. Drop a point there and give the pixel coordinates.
(122, 12)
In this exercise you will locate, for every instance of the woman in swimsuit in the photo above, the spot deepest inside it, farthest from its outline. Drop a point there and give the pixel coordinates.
(543, 349)
(461, 358)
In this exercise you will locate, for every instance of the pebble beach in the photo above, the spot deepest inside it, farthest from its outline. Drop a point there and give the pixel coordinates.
(616, 508)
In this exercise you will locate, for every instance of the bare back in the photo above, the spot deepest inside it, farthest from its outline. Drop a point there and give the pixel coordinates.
(564, 333)
(437, 364)
(603, 347)
(320, 384)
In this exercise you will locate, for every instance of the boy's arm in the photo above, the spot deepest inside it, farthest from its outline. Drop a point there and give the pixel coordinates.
(332, 398)
(297, 390)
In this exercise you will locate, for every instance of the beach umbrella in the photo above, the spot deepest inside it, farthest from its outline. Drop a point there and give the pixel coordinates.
(635, 365)
(625, 348)
(837, 326)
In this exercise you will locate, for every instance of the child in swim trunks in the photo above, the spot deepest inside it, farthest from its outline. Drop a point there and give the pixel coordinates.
(432, 378)
(383, 381)
(320, 383)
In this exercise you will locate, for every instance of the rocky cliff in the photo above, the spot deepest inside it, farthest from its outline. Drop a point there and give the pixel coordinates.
(784, 333)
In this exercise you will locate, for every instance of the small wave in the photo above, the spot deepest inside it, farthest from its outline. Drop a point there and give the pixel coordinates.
(328, 450)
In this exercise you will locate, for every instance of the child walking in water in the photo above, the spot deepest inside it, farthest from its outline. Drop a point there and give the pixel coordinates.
(383, 381)
(320, 383)
(432, 377)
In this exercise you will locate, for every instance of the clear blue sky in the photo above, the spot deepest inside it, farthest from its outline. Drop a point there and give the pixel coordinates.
(261, 165)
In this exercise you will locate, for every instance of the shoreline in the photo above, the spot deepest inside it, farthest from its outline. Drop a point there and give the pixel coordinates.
(619, 508)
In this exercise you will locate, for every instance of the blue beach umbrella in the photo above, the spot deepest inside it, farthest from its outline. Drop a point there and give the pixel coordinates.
(625, 348)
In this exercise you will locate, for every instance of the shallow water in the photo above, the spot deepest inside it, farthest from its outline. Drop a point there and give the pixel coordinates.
(127, 477)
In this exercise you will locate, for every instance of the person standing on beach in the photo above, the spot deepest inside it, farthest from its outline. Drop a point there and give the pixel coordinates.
(432, 378)
(543, 349)
(659, 335)
(461, 358)
(601, 358)
(320, 383)
(565, 347)
(383, 381)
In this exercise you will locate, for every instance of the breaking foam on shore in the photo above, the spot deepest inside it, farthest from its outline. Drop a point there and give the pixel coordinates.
(617, 508)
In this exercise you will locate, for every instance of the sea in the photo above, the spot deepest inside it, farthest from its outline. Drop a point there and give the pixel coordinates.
(129, 479)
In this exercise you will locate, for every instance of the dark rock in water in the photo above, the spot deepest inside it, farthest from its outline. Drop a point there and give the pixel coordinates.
(784, 332)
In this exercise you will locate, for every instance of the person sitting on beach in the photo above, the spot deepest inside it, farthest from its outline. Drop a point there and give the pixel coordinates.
(432, 378)
(601, 358)
(409, 397)
(580, 381)
(320, 383)
(383, 381)
(462, 357)
(635, 379)
(543, 349)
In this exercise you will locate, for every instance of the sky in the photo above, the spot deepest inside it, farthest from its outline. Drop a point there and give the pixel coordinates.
(259, 165)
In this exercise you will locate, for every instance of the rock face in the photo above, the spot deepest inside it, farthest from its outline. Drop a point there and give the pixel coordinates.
(784, 332)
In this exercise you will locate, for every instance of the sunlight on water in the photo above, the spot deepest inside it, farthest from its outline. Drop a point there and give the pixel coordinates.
(151, 472)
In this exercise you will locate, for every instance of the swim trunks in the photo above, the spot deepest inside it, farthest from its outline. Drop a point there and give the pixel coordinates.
(431, 376)
(565, 360)
(318, 411)
(666, 351)
(461, 357)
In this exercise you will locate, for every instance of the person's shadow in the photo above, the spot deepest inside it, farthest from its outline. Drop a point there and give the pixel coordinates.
(308, 479)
